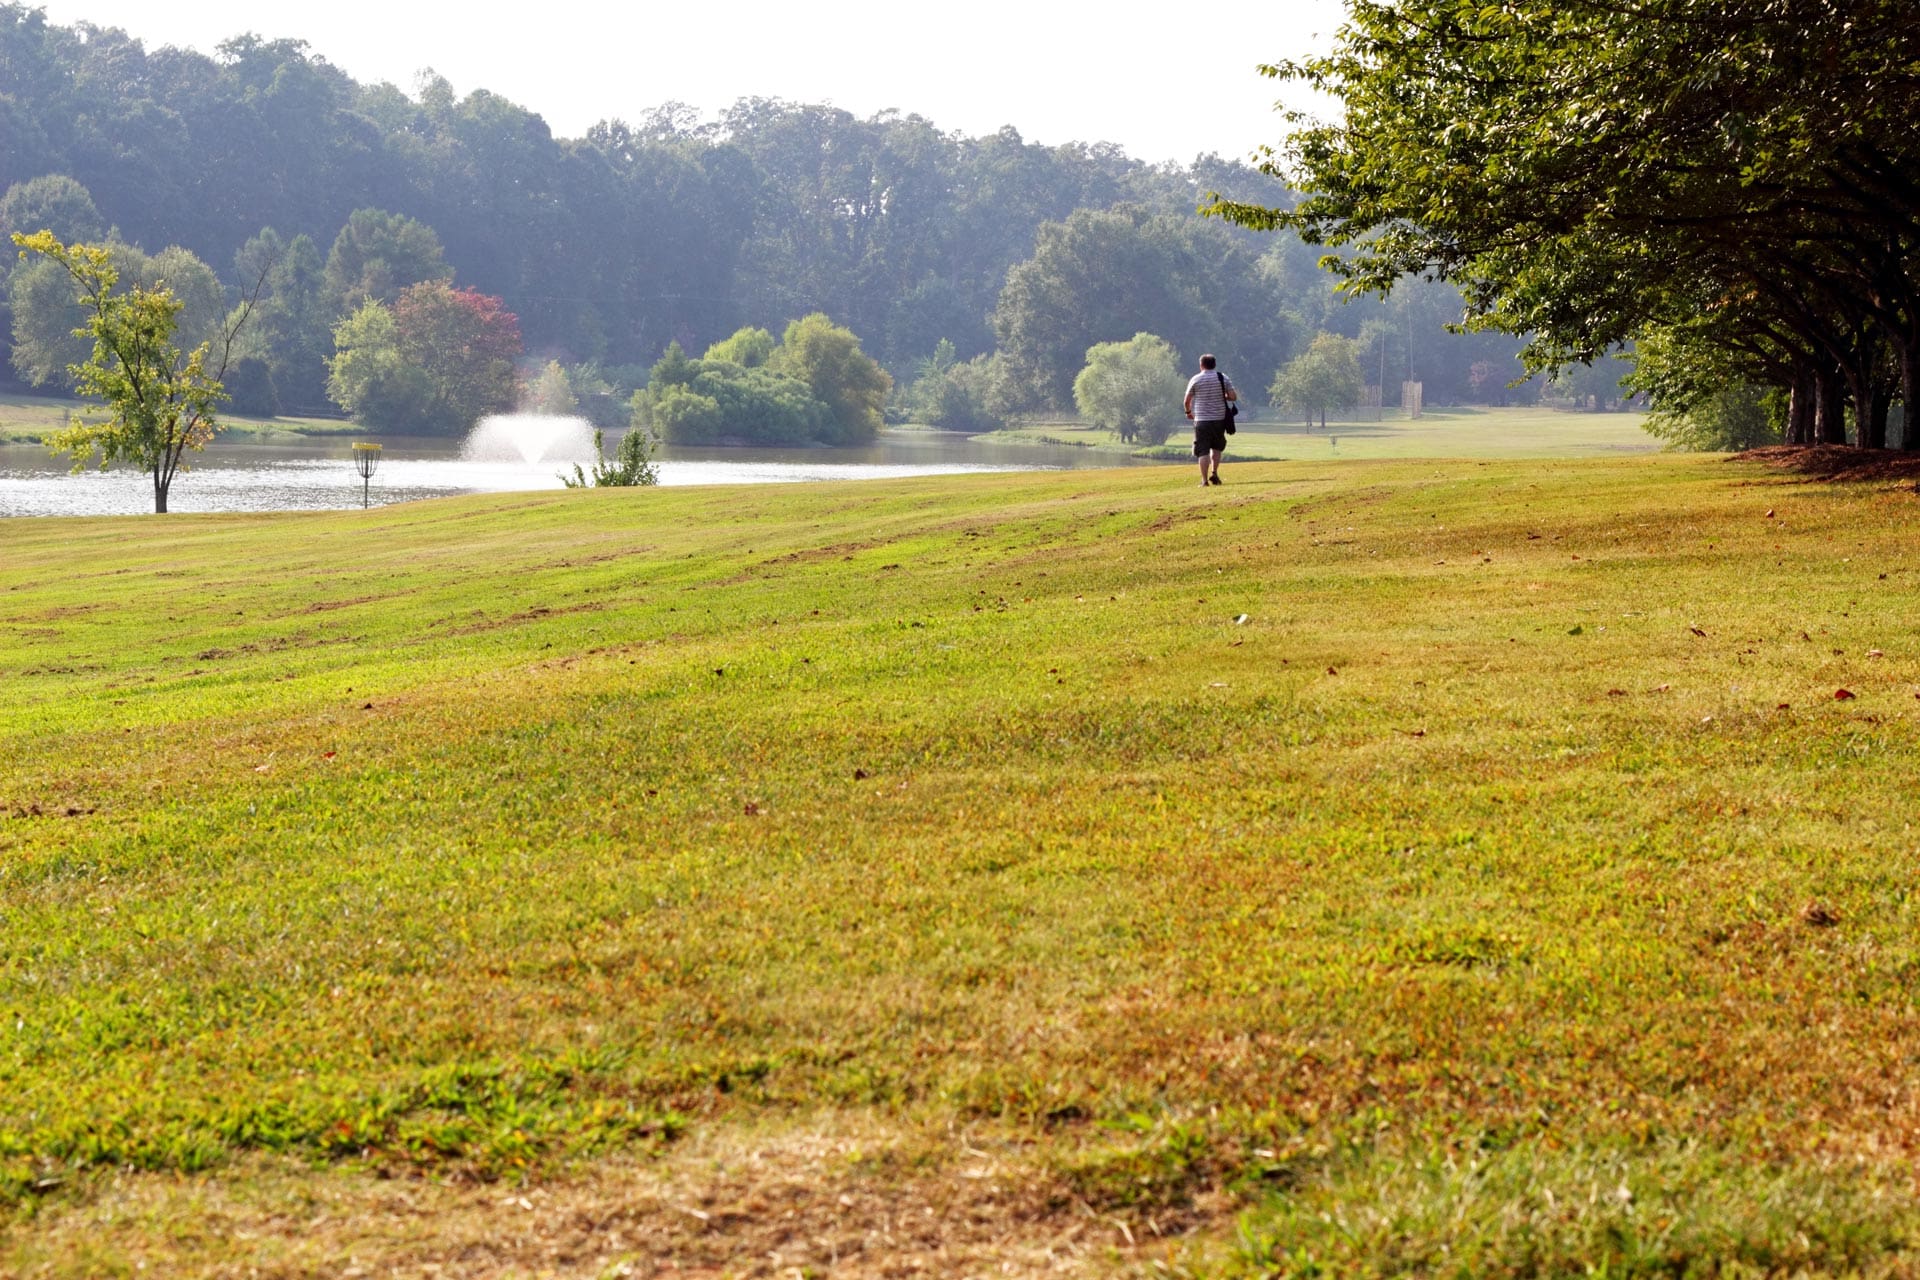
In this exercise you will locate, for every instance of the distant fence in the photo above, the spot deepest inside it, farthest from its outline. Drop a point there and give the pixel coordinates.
(1284, 419)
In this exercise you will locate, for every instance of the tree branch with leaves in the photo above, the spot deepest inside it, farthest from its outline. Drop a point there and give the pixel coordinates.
(162, 401)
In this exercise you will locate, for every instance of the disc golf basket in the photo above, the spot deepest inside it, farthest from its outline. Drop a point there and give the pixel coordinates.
(366, 460)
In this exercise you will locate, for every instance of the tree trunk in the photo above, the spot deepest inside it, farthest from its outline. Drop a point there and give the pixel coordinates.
(1830, 407)
(159, 493)
(1867, 409)
(1910, 397)
(1881, 404)
(1800, 409)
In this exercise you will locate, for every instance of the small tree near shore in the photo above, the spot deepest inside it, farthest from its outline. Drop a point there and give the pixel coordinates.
(1326, 376)
(1131, 388)
(161, 400)
(632, 463)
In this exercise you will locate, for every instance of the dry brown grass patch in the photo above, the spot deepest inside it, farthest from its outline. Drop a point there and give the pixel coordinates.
(844, 1196)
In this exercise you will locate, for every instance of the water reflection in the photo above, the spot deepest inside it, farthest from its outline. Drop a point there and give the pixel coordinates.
(299, 473)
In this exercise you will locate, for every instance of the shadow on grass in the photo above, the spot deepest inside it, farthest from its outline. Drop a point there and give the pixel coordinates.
(1838, 462)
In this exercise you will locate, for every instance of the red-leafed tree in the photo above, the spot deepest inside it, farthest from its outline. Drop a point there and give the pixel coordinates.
(465, 342)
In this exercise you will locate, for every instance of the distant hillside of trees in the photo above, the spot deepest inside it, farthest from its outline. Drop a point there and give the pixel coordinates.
(935, 248)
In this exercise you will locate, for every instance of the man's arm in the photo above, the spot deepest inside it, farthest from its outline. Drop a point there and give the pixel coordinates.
(1187, 404)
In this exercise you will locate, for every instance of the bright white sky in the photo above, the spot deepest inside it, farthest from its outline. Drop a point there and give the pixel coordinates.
(1161, 83)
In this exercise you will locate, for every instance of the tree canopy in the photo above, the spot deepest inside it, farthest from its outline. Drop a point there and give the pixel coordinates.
(1324, 377)
(955, 395)
(438, 360)
(1131, 388)
(48, 316)
(827, 358)
(665, 228)
(161, 400)
(379, 254)
(1101, 274)
(718, 400)
(551, 393)
(1735, 175)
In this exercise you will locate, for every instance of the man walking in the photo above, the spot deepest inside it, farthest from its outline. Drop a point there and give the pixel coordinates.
(1208, 393)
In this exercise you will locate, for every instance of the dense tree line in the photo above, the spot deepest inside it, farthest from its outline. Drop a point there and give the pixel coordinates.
(1730, 185)
(814, 386)
(936, 249)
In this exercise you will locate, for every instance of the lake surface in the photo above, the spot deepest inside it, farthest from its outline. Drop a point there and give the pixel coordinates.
(299, 473)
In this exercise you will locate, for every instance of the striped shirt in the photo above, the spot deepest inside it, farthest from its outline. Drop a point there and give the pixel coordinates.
(1209, 404)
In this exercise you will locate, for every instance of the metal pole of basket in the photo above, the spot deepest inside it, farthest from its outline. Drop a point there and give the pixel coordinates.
(366, 460)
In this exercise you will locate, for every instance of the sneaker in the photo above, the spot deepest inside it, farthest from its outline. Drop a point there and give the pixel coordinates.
(1214, 478)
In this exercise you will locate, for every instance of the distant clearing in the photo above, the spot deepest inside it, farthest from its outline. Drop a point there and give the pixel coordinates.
(1439, 433)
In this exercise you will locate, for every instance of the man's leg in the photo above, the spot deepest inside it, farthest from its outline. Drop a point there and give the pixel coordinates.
(1203, 469)
(1214, 474)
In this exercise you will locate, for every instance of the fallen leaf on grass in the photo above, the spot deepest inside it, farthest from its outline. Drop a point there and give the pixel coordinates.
(1818, 915)
(1843, 695)
(861, 775)
(1769, 513)
(1875, 653)
(1697, 631)
(751, 808)
(1616, 693)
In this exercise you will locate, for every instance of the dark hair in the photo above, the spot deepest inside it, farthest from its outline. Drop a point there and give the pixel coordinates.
(1206, 362)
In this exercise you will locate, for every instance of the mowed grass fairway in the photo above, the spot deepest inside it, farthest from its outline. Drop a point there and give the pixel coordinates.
(843, 879)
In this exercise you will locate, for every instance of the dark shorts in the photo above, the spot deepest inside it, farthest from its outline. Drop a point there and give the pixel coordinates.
(1209, 437)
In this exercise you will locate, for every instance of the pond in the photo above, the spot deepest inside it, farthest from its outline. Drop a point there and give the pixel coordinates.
(295, 473)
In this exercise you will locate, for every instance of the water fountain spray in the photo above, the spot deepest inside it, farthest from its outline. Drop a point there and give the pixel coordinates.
(366, 460)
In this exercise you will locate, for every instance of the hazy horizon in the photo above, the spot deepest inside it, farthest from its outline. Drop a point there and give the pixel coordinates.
(1049, 74)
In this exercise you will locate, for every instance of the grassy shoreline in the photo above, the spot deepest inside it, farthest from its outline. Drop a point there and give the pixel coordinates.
(31, 419)
(955, 843)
